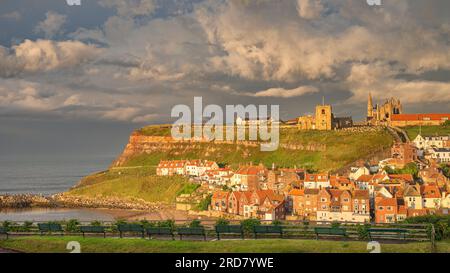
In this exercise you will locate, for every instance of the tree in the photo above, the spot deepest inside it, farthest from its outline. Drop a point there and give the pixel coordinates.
(445, 170)
(222, 222)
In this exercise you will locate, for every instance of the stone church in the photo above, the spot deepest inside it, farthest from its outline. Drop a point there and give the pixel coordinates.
(324, 120)
(382, 114)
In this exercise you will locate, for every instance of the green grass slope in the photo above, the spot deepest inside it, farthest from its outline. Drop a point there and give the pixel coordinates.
(115, 245)
(342, 148)
(128, 184)
(413, 131)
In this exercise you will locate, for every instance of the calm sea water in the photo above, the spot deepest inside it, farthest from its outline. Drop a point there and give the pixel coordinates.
(47, 174)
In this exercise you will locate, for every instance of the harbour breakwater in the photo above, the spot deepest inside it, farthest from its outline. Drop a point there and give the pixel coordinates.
(21, 201)
(68, 201)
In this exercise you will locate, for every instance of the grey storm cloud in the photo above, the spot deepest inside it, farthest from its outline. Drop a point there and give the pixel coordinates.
(150, 55)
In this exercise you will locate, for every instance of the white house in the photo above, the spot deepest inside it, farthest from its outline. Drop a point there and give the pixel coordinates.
(445, 200)
(441, 155)
(358, 172)
(257, 121)
(199, 167)
(431, 141)
(316, 181)
(412, 197)
(431, 196)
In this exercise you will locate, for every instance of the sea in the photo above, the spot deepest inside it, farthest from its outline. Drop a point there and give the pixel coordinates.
(47, 175)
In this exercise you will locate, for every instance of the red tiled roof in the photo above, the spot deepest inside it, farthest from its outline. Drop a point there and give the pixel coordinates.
(297, 192)
(430, 191)
(416, 117)
(220, 195)
(405, 177)
(316, 177)
(361, 194)
(386, 202)
(365, 178)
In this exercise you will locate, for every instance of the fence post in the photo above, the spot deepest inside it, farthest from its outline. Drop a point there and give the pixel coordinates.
(433, 239)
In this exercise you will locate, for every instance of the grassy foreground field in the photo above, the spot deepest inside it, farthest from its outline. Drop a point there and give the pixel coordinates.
(115, 245)
(413, 131)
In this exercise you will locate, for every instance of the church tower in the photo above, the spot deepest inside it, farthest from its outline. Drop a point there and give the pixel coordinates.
(324, 117)
(370, 106)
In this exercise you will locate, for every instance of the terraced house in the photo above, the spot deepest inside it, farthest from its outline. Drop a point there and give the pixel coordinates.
(340, 205)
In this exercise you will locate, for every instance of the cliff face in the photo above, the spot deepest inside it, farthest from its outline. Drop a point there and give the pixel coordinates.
(139, 144)
(316, 150)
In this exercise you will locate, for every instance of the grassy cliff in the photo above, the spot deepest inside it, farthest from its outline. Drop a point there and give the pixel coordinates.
(320, 150)
(314, 150)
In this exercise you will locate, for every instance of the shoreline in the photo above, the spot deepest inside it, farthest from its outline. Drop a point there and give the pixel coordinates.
(118, 209)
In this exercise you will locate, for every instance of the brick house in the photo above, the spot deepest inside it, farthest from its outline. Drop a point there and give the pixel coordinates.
(335, 205)
(248, 178)
(219, 201)
(310, 205)
(296, 202)
(386, 210)
(316, 181)
(233, 204)
(404, 153)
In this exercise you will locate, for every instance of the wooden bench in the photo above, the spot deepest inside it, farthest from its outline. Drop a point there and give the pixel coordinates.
(200, 231)
(50, 228)
(387, 233)
(329, 231)
(267, 230)
(93, 230)
(4, 231)
(229, 230)
(131, 228)
(160, 231)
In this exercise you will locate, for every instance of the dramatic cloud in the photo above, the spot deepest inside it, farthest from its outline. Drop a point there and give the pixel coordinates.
(309, 9)
(52, 24)
(147, 55)
(129, 8)
(45, 55)
(379, 80)
(287, 93)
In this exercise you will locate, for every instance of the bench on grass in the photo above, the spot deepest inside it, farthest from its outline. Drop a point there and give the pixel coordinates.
(229, 230)
(131, 228)
(267, 230)
(387, 233)
(160, 231)
(198, 231)
(329, 231)
(93, 230)
(4, 231)
(50, 228)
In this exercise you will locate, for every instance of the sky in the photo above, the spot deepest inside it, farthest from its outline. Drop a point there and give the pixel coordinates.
(81, 78)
